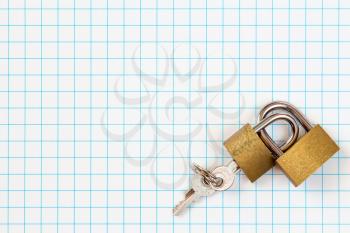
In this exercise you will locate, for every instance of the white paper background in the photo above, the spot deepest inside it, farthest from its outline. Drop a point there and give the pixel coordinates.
(105, 104)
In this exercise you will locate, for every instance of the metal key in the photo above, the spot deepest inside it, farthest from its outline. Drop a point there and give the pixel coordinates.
(227, 173)
(202, 187)
(199, 189)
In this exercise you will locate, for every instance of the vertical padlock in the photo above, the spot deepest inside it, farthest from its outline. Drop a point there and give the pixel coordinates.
(250, 152)
(309, 153)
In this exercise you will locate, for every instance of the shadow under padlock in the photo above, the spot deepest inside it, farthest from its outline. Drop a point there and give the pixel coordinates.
(309, 153)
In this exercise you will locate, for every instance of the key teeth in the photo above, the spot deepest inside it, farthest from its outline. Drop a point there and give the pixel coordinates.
(189, 192)
(177, 210)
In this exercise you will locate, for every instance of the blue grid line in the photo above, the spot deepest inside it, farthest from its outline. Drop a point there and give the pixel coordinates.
(167, 8)
(92, 184)
(322, 68)
(167, 25)
(58, 116)
(124, 116)
(107, 144)
(173, 110)
(305, 101)
(74, 116)
(25, 121)
(190, 106)
(273, 97)
(180, 224)
(147, 173)
(140, 107)
(289, 71)
(41, 118)
(206, 104)
(239, 103)
(166, 42)
(90, 148)
(8, 121)
(156, 131)
(338, 105)
(222, 101)
(255, 100)
(132, 75)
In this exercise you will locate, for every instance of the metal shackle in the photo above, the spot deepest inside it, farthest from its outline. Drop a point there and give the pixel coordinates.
(276, 149)
(289, 108)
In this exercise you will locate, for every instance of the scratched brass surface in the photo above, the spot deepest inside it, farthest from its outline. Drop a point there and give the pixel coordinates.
(307, 155)
(250, 153)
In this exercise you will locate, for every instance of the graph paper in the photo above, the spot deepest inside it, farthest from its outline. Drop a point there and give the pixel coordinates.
(105, 105)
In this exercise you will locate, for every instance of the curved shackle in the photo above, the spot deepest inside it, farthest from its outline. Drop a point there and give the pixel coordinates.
(285, 106)
(260, 127)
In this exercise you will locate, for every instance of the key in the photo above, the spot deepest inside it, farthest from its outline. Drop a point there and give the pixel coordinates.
(228, 175)
(200, 188)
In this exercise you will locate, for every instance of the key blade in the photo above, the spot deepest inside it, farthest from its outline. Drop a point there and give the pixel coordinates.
(199, 189)
(190, 197)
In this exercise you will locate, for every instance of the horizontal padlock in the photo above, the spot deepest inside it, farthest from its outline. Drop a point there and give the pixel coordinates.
(309, 153)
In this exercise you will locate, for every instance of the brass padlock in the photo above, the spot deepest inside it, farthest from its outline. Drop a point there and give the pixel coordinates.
(309, 153)
(250, 152)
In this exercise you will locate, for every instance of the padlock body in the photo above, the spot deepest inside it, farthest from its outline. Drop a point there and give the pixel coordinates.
(307, 155)
(250, 153)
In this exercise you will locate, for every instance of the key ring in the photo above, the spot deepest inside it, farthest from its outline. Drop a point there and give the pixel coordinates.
(208, 177)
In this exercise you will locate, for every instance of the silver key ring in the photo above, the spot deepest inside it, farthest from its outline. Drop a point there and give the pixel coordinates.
(208, 177)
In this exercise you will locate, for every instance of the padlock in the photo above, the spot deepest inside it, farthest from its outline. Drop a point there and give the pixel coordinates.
(250, 152)
(309, 153)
